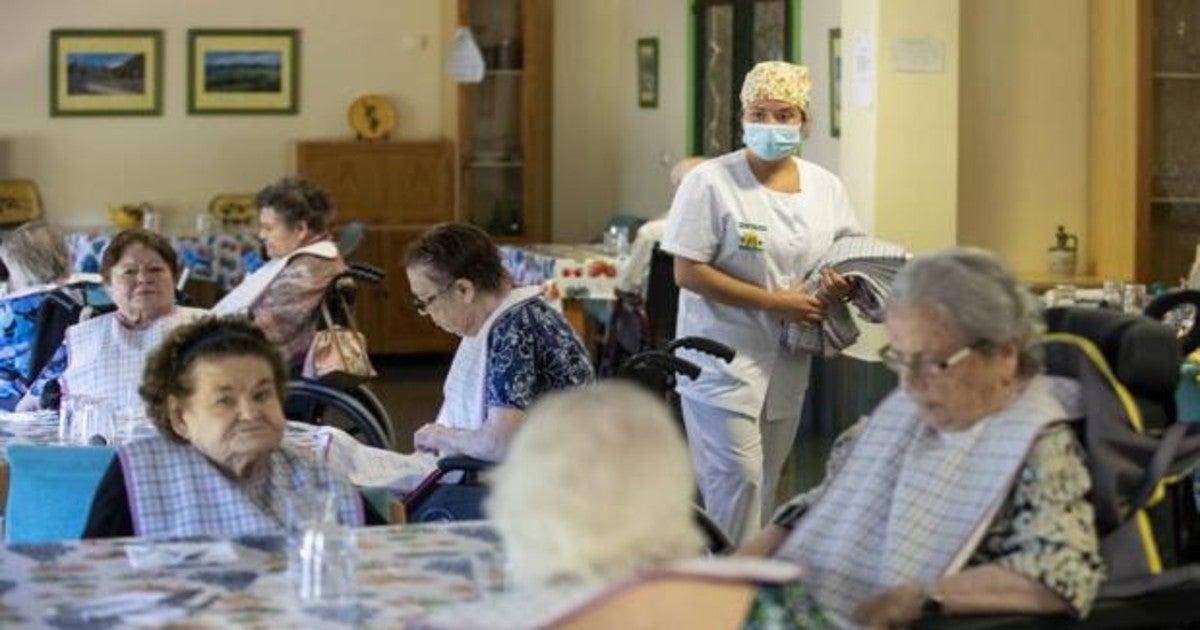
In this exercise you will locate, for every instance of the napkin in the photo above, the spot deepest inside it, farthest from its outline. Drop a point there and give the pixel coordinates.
(156, 555)
(134, 608)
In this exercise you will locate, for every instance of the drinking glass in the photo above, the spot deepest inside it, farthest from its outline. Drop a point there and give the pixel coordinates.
(322, 553)
(85, 420)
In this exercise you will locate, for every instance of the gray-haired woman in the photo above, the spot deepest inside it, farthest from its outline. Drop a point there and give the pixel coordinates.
(38, 262)
(283, 296)
(964, 492)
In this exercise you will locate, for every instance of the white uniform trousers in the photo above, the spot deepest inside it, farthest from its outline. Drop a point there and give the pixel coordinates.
(738, 460)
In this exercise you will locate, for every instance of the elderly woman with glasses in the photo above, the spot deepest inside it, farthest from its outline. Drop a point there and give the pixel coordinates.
(515, 347)
(965, 491)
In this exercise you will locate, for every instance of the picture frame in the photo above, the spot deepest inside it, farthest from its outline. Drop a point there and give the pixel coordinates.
(243, 71)
(835, 82)
(647, 72)
(106, 72)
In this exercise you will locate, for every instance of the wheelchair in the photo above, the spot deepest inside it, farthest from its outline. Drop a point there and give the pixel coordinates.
(438, 499)
(354, 409)
(1144, 356)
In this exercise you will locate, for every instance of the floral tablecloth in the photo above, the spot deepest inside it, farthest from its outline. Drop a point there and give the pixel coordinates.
(571, 271)
(404, 571)
(221, 257)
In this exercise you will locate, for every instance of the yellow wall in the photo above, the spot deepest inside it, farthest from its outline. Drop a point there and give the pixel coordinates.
(176, 161)
(992, 153)
(1024, 127)
(917, 159)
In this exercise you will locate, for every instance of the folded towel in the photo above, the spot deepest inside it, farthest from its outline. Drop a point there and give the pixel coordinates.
(874, 264)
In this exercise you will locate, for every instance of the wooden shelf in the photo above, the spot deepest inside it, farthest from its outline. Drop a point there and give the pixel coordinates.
(512, 111)
(490, 164)
(1184, 76)
(1179, 200)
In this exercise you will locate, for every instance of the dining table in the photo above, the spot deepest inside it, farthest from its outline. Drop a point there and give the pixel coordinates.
(404, 571)
(579, 278)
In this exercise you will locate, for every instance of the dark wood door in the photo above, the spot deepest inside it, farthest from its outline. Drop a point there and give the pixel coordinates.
(385, 315)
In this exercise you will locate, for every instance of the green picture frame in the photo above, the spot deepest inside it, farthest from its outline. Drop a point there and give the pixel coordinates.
(243, 71)
(647, 72)
(106, 72)
(835, 82)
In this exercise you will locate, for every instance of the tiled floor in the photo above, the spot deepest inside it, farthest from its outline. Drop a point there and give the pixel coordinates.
(411, 389)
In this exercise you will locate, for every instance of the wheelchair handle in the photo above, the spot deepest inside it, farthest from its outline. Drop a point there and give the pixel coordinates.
(660, 360)
(707, 346)
(364, 272)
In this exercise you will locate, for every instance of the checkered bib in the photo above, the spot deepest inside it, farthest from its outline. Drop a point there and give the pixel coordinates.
(105, 359)
(910, 503)
(174, 490)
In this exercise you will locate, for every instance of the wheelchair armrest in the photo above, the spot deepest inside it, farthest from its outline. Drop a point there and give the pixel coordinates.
(707, 346)
(365, 272)
(464, 463)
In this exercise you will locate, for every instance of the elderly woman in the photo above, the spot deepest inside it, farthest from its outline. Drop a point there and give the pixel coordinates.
(964, 492)
(38, 262)
(515, 346)
(283, 296)
(746, 228)
(103, 357)
(218, 467)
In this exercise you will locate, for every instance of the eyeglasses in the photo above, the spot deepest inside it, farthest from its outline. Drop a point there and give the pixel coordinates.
(918, 365)
(422, 304)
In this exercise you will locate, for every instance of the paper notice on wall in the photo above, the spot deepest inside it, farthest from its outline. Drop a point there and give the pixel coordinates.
(910, 54)
(862, 70)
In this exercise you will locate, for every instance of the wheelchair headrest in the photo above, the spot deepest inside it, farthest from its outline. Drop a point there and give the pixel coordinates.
(1143, 353)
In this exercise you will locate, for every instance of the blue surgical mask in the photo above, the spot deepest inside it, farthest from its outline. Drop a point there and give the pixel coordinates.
(771, 142)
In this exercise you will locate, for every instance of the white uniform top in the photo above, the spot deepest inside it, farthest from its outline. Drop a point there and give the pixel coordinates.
(722, 215)
(105, 359)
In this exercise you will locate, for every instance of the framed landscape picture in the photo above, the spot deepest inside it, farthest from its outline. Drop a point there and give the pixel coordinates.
(243, 71)
(105, 73)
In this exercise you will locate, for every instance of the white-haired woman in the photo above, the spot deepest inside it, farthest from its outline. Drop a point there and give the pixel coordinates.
(628, 512)
(964, 492)
(745, 228)
(38, 262)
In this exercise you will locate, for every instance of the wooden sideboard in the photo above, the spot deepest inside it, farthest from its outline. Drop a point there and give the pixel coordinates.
(398, 189)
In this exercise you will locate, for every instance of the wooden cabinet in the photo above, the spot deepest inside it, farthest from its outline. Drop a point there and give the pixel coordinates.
(504, 121)
(399, 189)
(1144, 162)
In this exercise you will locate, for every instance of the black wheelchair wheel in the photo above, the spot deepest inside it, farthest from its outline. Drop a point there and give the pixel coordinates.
(322, 405)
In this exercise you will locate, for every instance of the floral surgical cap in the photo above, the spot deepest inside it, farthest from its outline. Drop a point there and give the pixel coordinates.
(777, 81)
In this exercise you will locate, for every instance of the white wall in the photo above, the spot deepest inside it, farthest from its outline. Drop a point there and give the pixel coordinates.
(652, 139)
(587, 95)
(817, 17)
(176, 161)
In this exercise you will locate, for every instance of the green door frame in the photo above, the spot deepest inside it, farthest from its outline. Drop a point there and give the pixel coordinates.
(743, 47)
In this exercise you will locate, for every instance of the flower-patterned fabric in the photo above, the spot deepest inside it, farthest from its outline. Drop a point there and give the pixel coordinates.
(533, 350)
(777, 81)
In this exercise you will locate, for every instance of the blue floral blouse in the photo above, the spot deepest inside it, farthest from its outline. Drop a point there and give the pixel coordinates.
(533, 350)
(18, 330)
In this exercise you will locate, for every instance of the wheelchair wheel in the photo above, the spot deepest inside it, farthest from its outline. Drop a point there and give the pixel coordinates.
(368, 399)
(318, 404)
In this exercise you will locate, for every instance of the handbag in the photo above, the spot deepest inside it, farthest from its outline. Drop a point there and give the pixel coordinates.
(337, 355)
